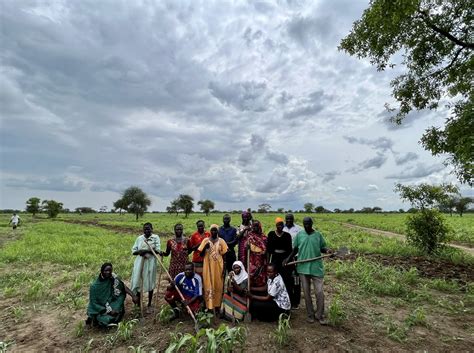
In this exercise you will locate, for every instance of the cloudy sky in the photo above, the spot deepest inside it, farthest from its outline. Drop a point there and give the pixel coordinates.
(241, 102)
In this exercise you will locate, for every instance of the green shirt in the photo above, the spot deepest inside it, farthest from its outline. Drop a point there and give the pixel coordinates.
(309, 246)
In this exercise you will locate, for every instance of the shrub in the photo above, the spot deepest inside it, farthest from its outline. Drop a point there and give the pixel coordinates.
(426, 230)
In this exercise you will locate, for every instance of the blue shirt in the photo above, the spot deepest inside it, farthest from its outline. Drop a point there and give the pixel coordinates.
(229, 235)
(190, 287)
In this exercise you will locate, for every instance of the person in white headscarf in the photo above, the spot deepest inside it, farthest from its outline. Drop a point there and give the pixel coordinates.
(237, 280)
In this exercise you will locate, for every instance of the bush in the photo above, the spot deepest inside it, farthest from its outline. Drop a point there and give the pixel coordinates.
(427, 231)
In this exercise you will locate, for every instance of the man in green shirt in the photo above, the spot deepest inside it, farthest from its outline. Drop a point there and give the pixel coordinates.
(308, 244)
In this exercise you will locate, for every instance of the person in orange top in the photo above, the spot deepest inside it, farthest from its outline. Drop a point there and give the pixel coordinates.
(193, 244)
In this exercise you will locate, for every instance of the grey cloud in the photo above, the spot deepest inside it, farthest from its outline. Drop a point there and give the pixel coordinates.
(375, 162)
(403, 159)
(419, 171)
(331, 175)
(244, 96)
(52, 184)
(372, 187)
(309, 106)
(381, 143)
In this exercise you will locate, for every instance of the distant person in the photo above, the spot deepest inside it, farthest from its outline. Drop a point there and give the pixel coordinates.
(107, 298)
(194, 242)
(15, 221)
(295, 289)
(213, 250)
(274, 301)
(242, 233)
(279, 247)
(256, 244)
(178, 248)
(144, 268)
(308, 244)
(189, 284)
(229, 234)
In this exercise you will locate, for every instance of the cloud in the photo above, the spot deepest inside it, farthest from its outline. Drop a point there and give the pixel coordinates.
(372, 187)
(342, 189)
(244, 96)
(309, 106)
(381, 143)
(371, 163)
(418, 171)
(52, 184)
(331, 175)
(403, 159)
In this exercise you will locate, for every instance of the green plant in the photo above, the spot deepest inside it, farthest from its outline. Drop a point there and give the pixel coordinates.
(282, 333)
(125, 329)
(18, 312)
(204, 319)
(336, 312)
(87, 348)
(416, 318)
(79, 329)
(164, 315)
(427, 231)
(4, 345)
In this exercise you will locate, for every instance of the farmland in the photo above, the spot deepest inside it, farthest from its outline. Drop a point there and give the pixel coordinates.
(384, 296)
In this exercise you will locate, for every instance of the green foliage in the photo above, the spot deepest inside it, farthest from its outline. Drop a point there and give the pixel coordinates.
(4, 345)
(281, 334)
(52, 208)
(436, 44)
(18, 313)
(134, 200)
(204, 319)
(184, 203)
(427, 231)
(87, 348)
(165, 314)
(223, 339)
(417, 318)
(33, 205)
(206, 206)
(80, 329)
(124, 332)
(424, 195)
(336, 313)
(308, 207)
(461, 204)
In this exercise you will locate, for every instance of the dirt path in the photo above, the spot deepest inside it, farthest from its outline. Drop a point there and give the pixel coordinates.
(470, 251)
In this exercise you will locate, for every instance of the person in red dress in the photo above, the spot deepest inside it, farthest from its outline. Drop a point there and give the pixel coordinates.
(178, 248)
(193, 244)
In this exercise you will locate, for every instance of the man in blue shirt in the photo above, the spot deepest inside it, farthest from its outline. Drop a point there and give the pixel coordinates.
(229, 234)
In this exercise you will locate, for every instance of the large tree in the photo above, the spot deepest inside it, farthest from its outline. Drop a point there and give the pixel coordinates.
(51, 207)
(185, 203)
(120, 205)
(136, 201)
(462, 203)
(308, 207)
(435, 39)
(33, 205)
(206, 206)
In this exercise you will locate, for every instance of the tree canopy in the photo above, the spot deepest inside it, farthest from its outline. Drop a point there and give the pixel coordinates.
(33, 205)
(425, 195)
(206, 206)
(435, 38)
(308, 207)
(185, 203)
(52, 208)
(135, 201)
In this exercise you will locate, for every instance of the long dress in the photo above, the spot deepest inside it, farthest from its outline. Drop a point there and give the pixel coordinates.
(258, 258)
(105, 295)
(179, 256)
(149, 265)
(243, 232)
(213, 272)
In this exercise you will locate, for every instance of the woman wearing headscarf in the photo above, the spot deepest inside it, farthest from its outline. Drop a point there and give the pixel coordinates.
(256, 242)
(279, 247)
(237, 280)
(213, 250)
(106, 298)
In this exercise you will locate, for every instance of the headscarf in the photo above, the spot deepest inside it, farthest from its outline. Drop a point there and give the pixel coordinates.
(279, 220)
(214, 226)
(243, 275)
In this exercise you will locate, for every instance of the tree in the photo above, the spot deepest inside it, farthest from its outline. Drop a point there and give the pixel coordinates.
(185, 203)
(462, 203)
(103, 209)
(136, 201)
(435, 38)
(51, 207)
(120, 205)
(280, 210)
(308, 207)
(448, 205)
(426, 229)
(401, 210)
(264, 208)
(206, 206)
(320, 209)
(377, 209)
(337, 210)
(85, 210)
(33, 205)
(173, 207)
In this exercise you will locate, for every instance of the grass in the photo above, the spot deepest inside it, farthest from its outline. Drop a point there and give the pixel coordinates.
(281, 335)
(336, 313)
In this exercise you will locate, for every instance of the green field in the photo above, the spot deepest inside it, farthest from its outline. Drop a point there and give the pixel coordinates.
(385, 296)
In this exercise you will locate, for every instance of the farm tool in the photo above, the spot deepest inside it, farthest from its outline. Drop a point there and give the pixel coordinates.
(341, 252)
(248, 316)
(142, 295)
(196, 325)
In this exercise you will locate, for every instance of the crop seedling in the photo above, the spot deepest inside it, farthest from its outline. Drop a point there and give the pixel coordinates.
(18, 312)
(79, 329)
(164, 315)
(204, 319)
(336, 312)
(417, 318)
(125, 329)
(87, 348)
(4, 345)
(282, 332)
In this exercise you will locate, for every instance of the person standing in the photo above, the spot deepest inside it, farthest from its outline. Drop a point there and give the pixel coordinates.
(256, 244)
(193, 244)
(308, 244)
(213, 250)
(242, 233)
(295, 291)
(15, 221)
(178, 248)
(279, 247)
(229, 234)
(144, 268)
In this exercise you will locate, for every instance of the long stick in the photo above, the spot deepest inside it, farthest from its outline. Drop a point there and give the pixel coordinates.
(248, 316)
(171, 279)
(158, 286)
(142, 295)
(308, 260)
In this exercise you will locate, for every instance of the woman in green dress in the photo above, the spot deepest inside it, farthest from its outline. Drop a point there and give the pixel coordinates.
(107, 298)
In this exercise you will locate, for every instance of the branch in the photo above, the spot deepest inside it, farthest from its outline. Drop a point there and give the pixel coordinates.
(436, 73)
(444, 32)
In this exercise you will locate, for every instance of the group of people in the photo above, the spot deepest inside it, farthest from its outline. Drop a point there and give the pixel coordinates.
(233, 272)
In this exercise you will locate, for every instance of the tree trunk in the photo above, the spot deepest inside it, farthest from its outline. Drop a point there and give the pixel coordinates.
(136, 214)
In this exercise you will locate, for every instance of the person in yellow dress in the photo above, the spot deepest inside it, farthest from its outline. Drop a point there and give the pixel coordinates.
(213, 250)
